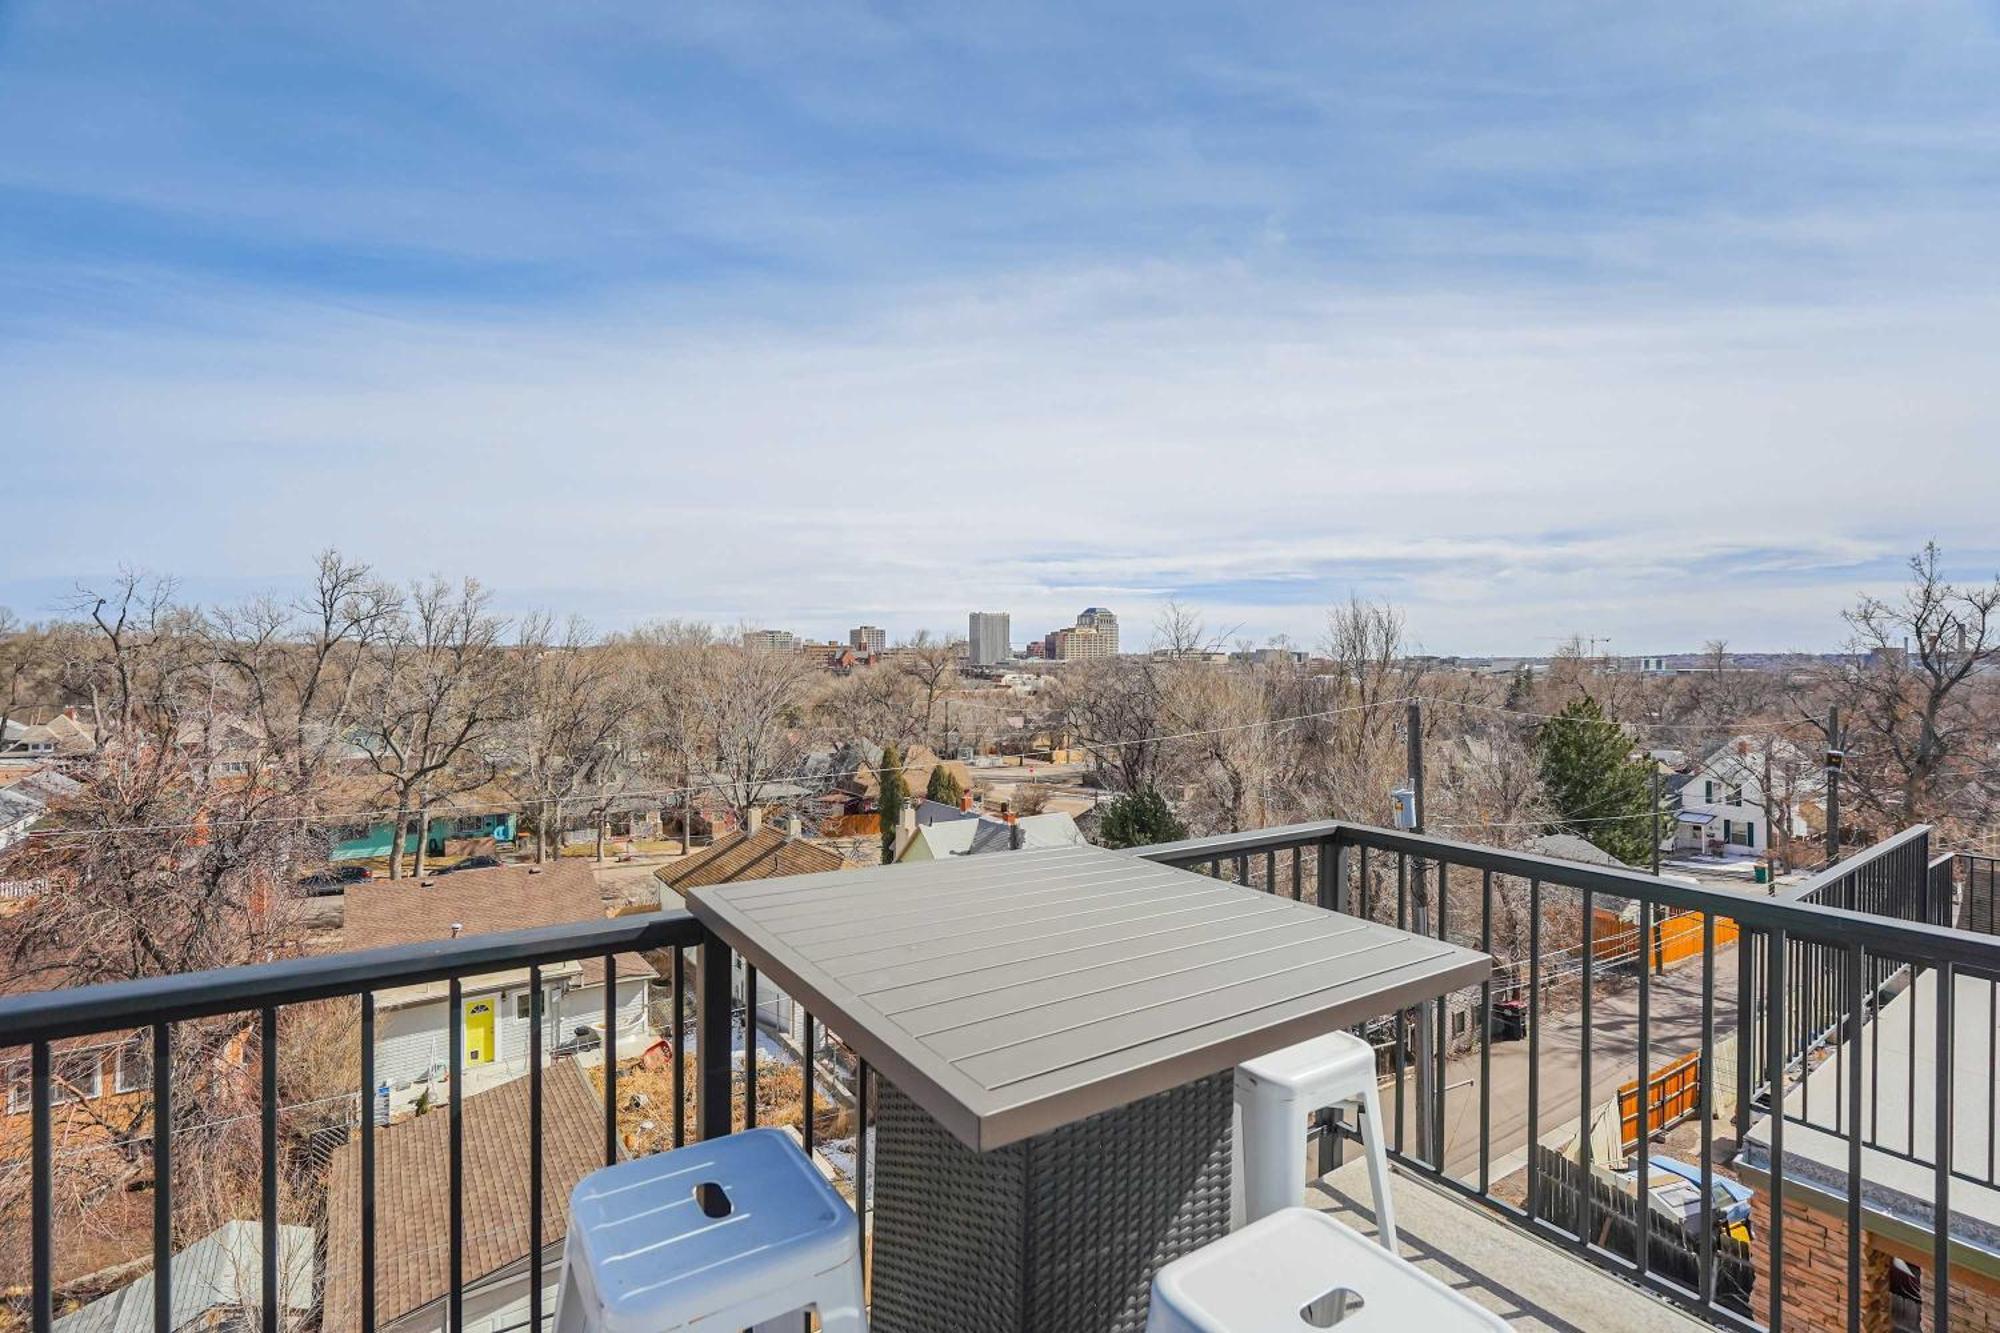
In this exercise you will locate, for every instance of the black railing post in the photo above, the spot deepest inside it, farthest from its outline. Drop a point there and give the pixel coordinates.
(268, 1124)
(712, 1039)
(368, 1162)
(41, 1211)
(163, 1179)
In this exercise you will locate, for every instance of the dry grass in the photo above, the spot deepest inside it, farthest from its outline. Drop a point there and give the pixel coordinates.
(646, 1098)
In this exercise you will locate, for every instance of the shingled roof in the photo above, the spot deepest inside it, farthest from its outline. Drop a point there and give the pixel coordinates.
(412, 1215)
(382, 912)
(765, 854)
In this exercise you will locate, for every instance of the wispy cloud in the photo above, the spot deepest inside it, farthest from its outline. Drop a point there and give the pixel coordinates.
(1667, 327)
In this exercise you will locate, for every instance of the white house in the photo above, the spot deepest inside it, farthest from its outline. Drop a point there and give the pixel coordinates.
(413, 1023)
(975, 837)
(1723, 803)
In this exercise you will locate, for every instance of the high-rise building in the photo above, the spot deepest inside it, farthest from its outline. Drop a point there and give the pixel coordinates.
(867, 637)
(1100, 619)
(988, 637)
(1083, 643)
(768, 640)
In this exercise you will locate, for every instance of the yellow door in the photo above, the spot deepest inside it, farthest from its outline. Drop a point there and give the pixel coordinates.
(479, 1032)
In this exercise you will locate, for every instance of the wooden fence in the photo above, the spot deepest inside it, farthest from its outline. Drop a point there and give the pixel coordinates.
(1673, 1250)
(1672, 1095)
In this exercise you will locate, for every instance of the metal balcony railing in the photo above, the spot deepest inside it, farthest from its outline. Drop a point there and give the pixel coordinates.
(1574, 943)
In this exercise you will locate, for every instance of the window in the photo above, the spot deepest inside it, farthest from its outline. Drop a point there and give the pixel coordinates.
(74, 1074)
(1746, 834)
(135, 1066)
(1707, 790)
(1736, 794)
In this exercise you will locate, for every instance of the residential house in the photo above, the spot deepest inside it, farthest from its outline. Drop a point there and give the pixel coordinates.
(64, 737)
(982, 834)
(470, 820)
(412, 1026)
(1723, 803)
(217, 1284)
(755, 853)
(413, 1209)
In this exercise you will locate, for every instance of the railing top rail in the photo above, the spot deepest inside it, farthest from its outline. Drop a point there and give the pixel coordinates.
(55, 1014)
(1840, 870)
(1887, 936)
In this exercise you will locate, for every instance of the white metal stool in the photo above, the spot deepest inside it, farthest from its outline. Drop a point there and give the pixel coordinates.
(1276, 1092)
(1298, 1269)
(713, 1237)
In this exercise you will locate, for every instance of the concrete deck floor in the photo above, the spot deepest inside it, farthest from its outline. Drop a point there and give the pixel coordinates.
(1527, 1282)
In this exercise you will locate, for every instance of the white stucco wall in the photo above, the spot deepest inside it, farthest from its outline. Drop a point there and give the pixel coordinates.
(413, 1040)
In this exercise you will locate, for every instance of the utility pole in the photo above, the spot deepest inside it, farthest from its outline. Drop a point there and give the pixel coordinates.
(1835, 757)
(1430, 1119)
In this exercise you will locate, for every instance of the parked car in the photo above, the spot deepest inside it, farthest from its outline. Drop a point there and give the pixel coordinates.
(471, 863)
(333, 879)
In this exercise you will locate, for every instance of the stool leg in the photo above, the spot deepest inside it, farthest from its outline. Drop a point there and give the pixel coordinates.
(841, 1311)
(1373, 1147)
(1273, 1149)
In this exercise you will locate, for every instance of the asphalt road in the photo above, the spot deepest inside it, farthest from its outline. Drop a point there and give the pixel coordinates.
(1614, 1059)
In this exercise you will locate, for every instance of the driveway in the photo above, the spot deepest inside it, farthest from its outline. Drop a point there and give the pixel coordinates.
(1614, 1060)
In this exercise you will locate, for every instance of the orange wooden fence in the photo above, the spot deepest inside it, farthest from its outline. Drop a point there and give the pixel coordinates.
(1673, 1094)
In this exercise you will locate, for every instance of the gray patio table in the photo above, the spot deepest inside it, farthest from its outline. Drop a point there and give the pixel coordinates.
(1055, 1032)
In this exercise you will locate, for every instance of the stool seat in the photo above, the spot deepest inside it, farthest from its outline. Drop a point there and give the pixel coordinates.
(717, 1235)
(1301, 1270)
(1331, 1064)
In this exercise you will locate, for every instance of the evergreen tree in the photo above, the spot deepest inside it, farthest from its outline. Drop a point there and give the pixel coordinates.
(943, 787)
(890, 798)
(1601, 792)
(1138, 819)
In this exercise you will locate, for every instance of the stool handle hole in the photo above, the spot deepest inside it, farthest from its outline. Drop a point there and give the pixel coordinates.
(1330, 1308)
(714, 1203)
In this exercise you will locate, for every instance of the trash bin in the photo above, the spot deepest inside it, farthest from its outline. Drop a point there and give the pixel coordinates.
(1509, 1020)
(1763, 872)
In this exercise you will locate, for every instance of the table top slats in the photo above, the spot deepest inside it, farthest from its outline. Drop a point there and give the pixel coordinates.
(993, 1015)
(927, 1005)
(1169, 1011)
(992, 911)
(1012, 993)
(894, 907)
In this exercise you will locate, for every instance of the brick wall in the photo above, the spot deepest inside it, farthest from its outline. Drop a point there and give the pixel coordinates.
(1815, 1294)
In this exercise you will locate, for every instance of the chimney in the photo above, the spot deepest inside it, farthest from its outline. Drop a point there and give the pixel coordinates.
(1017, 836)
(456, 927)
(965, 801)
(906, 831)
(69, 711)
(1007, 813)
(753, 820)
(794, 826)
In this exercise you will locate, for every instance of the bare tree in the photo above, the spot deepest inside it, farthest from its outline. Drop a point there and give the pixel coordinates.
(439, 692)
(750, 712)
(932, 663)
(576, 701)
(1922, 725)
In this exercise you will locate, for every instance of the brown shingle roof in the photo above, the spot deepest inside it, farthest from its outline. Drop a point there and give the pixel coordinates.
(382, 912)
(413, 1194)
(766, 854)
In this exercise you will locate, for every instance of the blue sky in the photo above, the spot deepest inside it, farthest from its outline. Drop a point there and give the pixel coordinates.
(1540, 319)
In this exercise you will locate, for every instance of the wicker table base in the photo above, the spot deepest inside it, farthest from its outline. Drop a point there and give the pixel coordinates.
(1058, 1234)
